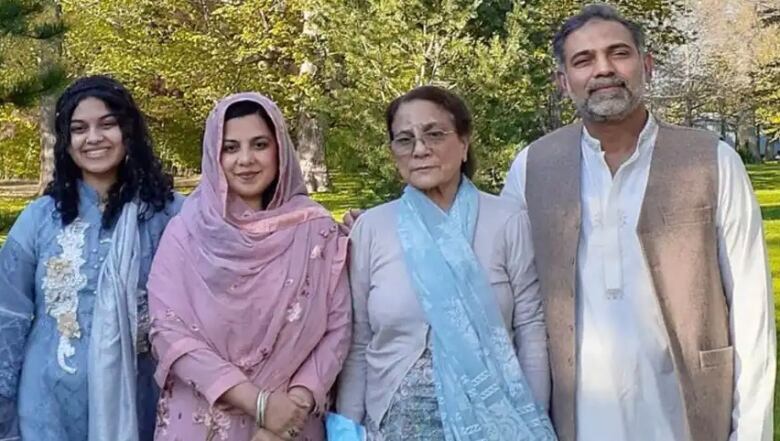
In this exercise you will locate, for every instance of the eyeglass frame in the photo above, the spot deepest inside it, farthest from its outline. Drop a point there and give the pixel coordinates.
(429, 143)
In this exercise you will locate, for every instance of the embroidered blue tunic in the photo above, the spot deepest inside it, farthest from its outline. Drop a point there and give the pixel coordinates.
(48, 277)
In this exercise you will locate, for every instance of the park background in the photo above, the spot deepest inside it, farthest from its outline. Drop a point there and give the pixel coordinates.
(333, 66)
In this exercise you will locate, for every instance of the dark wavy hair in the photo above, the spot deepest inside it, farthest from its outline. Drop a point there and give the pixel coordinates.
(453, 104)
(140, 174)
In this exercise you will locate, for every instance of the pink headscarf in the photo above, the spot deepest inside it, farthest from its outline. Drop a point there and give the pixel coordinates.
(251, 286)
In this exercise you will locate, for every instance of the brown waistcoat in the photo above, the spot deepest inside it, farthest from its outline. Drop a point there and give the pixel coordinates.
(677, 232)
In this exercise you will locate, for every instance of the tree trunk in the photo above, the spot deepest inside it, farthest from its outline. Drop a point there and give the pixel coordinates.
(48, 137)
(753, 140)
(748, 141)
(554, 120)
(688, 119)
(311, 138)
(46, 113)
(311, 153)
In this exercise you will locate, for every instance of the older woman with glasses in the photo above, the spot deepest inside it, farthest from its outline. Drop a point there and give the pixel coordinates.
(449, 340)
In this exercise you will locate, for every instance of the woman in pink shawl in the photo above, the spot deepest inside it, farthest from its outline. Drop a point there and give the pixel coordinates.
(248, 292)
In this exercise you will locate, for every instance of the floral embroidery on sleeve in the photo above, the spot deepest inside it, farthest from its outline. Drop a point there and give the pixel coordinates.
(163, 407)
(61, 284)
(216, 421)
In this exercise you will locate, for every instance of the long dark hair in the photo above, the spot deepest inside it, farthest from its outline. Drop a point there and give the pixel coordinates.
(140, 174)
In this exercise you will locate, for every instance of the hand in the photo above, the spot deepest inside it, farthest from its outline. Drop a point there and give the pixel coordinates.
(242, 397)
(228, 408)
(302, 397)
(283, 416)
(351, 216)
(265, 435)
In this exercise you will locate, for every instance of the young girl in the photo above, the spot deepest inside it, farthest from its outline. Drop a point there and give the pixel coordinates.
(74, 354)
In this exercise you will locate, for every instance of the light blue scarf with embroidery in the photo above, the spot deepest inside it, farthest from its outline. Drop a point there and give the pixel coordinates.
(112, 362)
(482, 391)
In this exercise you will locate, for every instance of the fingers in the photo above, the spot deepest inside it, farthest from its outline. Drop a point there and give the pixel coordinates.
(302, 397)
(283, 414)
(301, 402)
(351, 216)
(293, 433)
(348, 219)
(299, 417)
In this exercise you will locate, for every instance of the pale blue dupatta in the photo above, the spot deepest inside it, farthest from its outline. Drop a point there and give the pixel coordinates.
(112, 361)
(482, 391)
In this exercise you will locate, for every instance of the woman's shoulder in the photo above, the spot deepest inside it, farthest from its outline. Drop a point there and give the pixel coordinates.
(378, 217)
(37, 218)
(43, 203)
(174, 206)
(160, 217)
(175, 229)
(502, 216)
(495, 206)
(382, 211)
(39, 209)
(318, 216)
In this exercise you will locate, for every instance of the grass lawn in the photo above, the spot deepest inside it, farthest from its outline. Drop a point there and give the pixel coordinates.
(766, 182)
(351, 191)
(346, 192)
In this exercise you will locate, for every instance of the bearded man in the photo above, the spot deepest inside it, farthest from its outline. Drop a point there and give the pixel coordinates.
(651, 258)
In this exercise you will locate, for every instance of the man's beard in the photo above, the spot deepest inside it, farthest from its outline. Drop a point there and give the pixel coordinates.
(611, 104)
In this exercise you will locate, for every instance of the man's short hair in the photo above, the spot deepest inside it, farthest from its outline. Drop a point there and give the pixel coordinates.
(598, 11)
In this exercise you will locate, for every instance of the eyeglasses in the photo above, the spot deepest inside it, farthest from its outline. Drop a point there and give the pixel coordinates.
(404, 144)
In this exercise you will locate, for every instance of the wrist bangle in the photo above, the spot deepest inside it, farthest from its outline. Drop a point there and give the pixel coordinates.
(264, 407)
(262, 401)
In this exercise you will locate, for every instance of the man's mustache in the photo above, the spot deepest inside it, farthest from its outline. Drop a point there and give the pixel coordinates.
(601, 83)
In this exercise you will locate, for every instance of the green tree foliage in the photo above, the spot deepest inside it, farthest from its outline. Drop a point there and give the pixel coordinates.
(18, 143)
(768, 96)
(495, 53)
(767, 76)
(24, 27)
(179, 56)
(727, 71)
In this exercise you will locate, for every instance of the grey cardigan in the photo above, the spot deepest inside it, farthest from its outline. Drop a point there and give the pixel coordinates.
(390, 328)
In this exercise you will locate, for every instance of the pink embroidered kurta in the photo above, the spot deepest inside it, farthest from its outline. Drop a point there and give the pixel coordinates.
(246, 296)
